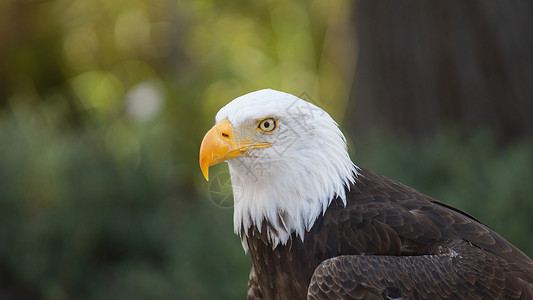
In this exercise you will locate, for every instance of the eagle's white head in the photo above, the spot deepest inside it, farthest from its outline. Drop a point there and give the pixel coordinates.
(287, 159)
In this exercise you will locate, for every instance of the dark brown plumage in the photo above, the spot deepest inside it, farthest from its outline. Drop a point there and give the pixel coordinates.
(389, 242)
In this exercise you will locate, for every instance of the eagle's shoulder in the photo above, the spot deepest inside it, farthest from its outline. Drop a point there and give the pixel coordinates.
(385, 214)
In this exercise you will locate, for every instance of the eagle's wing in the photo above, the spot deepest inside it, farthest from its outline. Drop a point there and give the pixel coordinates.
(384, 212)
(416, 247)
(475, 274)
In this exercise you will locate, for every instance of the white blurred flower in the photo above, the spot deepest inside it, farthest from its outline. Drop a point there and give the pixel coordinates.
(145, 100)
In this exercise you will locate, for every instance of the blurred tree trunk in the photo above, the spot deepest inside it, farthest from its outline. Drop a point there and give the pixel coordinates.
(425, 65)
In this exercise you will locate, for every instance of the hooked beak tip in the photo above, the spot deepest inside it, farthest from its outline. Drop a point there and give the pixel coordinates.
(204, 165)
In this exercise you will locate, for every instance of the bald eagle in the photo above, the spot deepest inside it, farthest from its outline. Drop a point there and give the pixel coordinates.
(319, 227)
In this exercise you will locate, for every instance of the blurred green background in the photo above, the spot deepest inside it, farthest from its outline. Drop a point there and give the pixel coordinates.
(103, 105)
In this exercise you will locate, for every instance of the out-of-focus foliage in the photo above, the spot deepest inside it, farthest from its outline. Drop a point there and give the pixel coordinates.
(103, 105)
(81, 220)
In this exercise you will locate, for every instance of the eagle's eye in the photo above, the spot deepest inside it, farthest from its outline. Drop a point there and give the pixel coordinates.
(267, 125)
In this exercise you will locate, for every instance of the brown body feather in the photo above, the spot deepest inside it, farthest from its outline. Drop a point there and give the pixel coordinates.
(390, 241)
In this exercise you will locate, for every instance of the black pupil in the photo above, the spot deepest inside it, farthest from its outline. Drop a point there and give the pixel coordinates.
(266, 124)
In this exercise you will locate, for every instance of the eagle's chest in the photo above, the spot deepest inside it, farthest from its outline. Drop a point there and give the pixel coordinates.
(283, 272)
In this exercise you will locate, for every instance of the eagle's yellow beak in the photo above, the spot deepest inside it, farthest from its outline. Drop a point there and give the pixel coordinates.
(220, 144)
